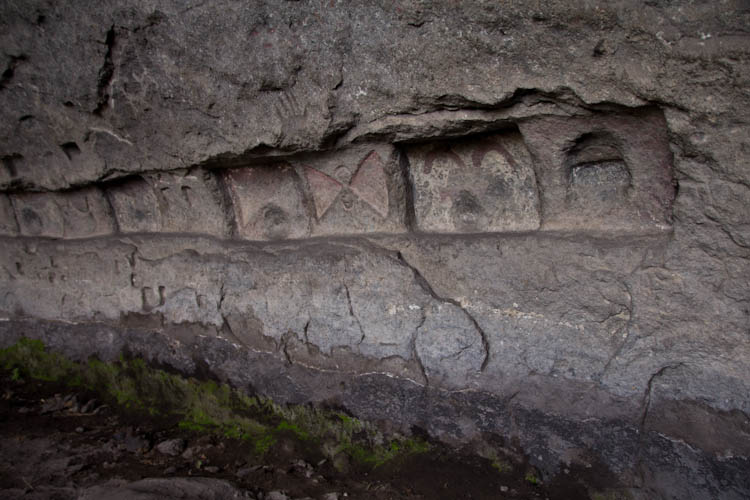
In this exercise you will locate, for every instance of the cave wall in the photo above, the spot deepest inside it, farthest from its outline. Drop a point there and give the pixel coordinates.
(527, 220)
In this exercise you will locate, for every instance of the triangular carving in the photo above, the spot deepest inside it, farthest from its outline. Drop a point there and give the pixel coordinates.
(370, 184)
(324, 190)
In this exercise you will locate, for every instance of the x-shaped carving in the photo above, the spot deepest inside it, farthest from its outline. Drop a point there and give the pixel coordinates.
(368, 184)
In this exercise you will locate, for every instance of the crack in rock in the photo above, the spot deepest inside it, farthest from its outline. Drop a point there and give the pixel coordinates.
(415, 352)
(646, 407)
(106, 73)
(630, 308)
(425, 285)
(351, 313)
(649, 389)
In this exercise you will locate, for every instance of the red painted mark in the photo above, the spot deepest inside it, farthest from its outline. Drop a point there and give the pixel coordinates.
(369, 184)
(434, 155)
(481, 151)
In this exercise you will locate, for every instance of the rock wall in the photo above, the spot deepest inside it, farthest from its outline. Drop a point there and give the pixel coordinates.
(514, 221)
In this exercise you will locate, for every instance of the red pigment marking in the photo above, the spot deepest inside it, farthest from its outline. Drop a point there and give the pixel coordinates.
(434, 155)
(481, 151)
(324, 189)
(369, 183)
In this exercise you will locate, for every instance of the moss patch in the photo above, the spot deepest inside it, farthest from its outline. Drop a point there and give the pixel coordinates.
(208, 407)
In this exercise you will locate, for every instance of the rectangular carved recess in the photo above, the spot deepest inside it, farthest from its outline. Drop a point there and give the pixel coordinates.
(473, 185)
(605, 171)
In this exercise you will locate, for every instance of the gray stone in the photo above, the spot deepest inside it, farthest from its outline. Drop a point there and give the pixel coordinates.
(176, 202)
(8, 223)
(72, 214)
(450, 346)
(166, 488)
(135, 205)
(38, 215)
(171, 447)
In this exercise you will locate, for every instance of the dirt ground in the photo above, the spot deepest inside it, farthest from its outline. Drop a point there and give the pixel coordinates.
(65, 445)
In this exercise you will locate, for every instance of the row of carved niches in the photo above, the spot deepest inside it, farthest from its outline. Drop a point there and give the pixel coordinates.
(599, 171)
(355, 191)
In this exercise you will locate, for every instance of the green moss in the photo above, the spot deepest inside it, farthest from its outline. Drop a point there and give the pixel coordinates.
(28, 359)
(531, 478)
(294, 429)
(502, 466)
(207, 406)
(264, 443)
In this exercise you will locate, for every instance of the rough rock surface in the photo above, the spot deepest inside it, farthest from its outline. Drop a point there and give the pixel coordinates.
(513, 218)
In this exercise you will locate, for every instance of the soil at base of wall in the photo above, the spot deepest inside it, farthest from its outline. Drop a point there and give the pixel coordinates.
(57, 444)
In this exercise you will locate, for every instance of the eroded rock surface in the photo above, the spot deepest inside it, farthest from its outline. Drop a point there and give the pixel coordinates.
(483, 218)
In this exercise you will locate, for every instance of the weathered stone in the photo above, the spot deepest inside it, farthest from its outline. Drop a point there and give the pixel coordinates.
(73, 214)
(179, 202)
(471, 186)
(171, 447)
(8, 223)
(135, 205)
(186, 488)
(605, 172)
(268, 203)
(85, 213)
(190, 202)
(38, 215)
(450, 346)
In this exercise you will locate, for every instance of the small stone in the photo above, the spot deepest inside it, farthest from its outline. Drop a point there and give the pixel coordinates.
(170, 470)
(276, 495)
(211, 469)
(89, 407)
(503, 489)
(330, 496)
(242, 472)
(79, 430)
(171, 447)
